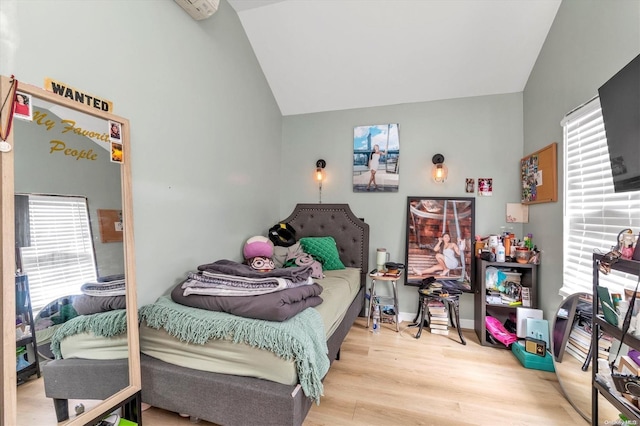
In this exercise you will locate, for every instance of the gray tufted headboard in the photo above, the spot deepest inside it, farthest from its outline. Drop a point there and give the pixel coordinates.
(338, 221)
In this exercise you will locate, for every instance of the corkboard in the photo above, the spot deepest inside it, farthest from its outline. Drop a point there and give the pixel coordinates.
(110, 225)
(539, 176)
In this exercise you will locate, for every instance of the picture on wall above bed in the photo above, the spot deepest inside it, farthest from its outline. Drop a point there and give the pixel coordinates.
(376, 158)
(440, 233)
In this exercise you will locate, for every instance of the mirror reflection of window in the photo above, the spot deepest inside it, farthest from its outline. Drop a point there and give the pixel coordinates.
(60, 256)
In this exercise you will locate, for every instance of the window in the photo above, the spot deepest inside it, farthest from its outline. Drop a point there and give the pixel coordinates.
(59, 257)
(593, 214)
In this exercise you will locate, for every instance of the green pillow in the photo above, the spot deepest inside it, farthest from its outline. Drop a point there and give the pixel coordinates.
(324, 250)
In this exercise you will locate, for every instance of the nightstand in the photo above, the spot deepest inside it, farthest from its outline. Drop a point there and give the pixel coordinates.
(374, 298)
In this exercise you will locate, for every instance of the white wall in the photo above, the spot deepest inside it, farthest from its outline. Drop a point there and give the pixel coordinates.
(206, 131)
(479, 137)
(590, 41)
(207, 139)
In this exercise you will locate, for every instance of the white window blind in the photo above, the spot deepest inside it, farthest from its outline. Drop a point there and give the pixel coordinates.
(594, 214)
(60, 257)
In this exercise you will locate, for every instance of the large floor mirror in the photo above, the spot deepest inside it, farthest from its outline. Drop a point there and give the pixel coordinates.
(67, 238)
(570, 347)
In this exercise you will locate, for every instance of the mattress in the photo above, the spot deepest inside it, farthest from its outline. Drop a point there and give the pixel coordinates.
(84, 345)
(99, 336)
(222, 356)
(90, 346)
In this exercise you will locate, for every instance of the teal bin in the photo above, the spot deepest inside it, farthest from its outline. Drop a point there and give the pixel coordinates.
(533, 361)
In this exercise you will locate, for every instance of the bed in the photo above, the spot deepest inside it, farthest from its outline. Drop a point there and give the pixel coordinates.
(88, 345)
(263, 395)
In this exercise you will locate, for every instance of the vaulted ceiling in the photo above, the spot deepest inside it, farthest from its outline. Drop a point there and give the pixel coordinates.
(326, 55)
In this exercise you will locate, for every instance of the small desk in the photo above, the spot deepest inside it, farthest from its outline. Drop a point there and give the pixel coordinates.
(372, 295)
(451, 301)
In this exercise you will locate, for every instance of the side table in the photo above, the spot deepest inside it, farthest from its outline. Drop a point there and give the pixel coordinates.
(372, 295)
(451, 301)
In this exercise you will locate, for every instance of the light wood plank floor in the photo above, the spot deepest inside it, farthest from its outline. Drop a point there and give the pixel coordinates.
(394, 379)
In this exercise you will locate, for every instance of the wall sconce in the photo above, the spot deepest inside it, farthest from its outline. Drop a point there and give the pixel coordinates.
(439, 171)
(320, 165)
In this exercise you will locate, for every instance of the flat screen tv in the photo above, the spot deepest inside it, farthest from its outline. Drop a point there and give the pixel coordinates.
(620, 102)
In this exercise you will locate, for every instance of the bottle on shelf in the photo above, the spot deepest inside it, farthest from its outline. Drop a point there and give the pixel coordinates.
(376, 319)
(507, 246)
(500, 252)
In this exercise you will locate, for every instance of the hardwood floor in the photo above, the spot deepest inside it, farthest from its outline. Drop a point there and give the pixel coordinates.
(394, 379)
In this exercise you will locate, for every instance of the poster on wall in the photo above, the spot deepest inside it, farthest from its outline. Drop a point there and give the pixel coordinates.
(376, 158)
(517, 213)
(485, 187)
(470, 184)
(440, 236)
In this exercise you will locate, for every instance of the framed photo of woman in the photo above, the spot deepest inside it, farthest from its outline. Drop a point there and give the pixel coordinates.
(440, 239)
(376, 158)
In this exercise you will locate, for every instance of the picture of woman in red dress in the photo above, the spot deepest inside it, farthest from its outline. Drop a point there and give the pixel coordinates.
(23, 106)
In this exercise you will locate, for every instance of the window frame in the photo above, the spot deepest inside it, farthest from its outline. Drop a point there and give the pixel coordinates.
(587, 176)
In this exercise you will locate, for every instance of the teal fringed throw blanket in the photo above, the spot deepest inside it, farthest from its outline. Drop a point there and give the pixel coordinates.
(106, 324)
(300, 338)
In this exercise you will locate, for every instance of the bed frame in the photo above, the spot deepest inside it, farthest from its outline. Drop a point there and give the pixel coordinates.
(76, 378)
(233, 400)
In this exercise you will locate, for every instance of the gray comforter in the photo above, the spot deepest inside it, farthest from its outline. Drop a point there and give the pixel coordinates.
(229, 267)
(277, 306)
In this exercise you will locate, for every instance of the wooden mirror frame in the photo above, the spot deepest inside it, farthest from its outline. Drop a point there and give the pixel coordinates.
(8, 415)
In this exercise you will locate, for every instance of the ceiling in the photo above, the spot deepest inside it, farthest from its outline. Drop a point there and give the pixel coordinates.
(327, 55)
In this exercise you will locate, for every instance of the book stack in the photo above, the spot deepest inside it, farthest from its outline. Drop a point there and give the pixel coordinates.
(438, 318)
(578, 343)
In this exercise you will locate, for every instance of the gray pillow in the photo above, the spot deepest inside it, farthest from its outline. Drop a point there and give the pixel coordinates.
(279, 255)
(87, 305)
(282, 254)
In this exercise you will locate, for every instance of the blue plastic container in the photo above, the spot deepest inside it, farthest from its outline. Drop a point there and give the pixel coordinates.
(533, 361)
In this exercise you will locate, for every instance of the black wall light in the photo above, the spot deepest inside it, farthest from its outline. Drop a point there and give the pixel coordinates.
(320, 165)
(439, 171)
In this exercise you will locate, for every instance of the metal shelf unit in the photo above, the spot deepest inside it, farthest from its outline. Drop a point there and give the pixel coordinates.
(601, 325)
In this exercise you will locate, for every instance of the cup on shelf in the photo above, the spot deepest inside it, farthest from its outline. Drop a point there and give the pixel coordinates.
(522, 254)
(382, 257)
